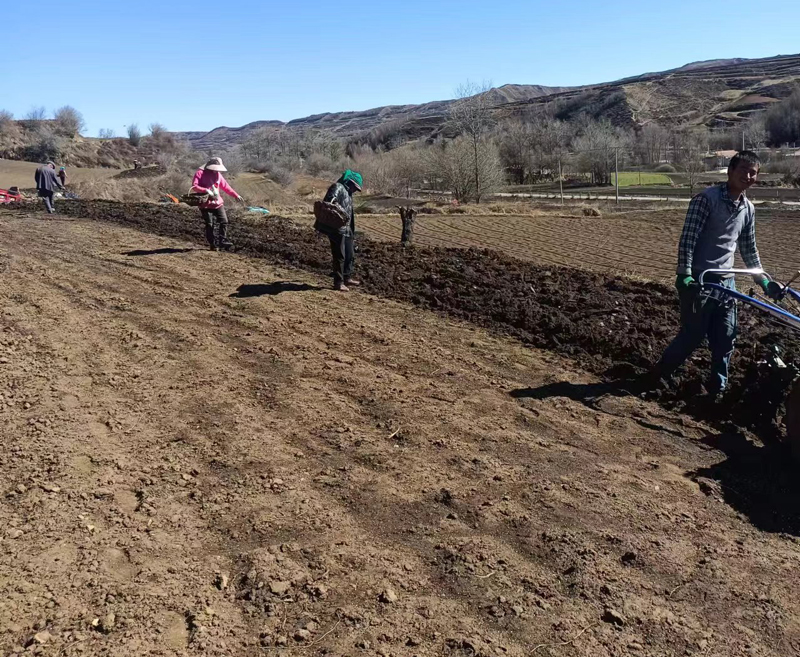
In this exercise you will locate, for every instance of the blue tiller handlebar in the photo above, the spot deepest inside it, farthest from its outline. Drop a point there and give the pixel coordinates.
(776, 312)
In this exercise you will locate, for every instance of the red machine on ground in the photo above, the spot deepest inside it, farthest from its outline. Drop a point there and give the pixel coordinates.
(10, 195)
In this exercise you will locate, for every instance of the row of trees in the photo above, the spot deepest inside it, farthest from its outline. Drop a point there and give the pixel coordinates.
(535, 149)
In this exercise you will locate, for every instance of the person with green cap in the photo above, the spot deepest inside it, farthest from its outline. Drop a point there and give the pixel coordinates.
(341, 193)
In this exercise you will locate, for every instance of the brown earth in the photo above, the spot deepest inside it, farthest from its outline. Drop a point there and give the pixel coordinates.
(613, 326)
(207, 454)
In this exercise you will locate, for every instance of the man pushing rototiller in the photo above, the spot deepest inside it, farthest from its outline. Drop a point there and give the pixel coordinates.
(720, 219)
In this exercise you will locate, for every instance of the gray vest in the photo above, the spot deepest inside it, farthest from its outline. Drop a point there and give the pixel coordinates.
(716, 245)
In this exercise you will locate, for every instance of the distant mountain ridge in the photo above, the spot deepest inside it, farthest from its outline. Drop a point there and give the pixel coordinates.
(717, 92)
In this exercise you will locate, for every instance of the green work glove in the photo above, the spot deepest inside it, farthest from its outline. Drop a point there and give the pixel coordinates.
(772, 289)
(685, 282)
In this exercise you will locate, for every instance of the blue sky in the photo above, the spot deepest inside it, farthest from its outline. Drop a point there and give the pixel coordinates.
(198, 65)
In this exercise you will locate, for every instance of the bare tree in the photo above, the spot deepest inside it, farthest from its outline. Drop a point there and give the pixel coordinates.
(453, 164)
(106, 133)
(691, 149)
(755, 133)
(471, 116)
(134, 134)
(9, 132)
(165, 160)
(164, 141)
(261, 144)
(407, 169)
(550, 141)
(69, 121)
(651, 144)
(516, 149)
(782, 120)
(531, 151)
(597, 150)
(34, 118)
(47, 144)
(8, 127)
(690, 161)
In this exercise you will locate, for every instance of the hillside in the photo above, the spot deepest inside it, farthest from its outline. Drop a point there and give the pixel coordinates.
(417, 120)
(720, 92)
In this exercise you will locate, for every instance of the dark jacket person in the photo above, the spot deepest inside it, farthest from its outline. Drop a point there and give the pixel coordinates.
(341, 239)
(46, 184)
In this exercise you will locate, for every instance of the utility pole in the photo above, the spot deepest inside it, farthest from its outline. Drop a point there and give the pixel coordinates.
(560, 181)
(616, 171)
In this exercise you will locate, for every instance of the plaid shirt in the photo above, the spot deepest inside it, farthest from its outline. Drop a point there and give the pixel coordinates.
(696, 216)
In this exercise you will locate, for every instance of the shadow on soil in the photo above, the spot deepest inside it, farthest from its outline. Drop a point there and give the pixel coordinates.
(586, 393)
(271, 289)
(165, 251)
(760, 482)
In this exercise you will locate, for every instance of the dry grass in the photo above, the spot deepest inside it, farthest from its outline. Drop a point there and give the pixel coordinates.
(20, 174)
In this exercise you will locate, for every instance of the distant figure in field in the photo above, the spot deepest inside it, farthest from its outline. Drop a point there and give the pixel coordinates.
(209, 180)
(341, 238)
(62, 176)
(136, 165)
(46, 184)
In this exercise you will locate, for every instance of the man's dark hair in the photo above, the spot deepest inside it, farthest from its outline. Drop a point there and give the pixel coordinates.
(745, 156)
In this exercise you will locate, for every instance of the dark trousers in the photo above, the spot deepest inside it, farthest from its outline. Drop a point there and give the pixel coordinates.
(47, 197)
(702, 316)
(342, 253)
(215, 217)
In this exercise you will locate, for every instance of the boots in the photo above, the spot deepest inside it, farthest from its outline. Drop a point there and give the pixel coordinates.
(224, 242)
(210, 238)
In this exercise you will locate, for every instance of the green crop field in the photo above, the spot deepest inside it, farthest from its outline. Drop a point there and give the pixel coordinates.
(632, 178)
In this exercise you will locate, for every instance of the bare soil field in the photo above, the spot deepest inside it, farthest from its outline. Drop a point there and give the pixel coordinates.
(205, 453)
(614, 326)
(642, 242)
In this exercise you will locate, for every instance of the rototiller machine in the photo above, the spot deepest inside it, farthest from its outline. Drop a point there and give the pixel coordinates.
(785, 312)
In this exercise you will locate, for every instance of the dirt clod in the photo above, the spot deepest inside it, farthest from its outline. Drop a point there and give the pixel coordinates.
(613, 616)
(388, 596)
(221, 581)
(302, 635)
(280, 587)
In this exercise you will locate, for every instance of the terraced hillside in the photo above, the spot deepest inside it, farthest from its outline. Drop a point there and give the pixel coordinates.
(719, 92)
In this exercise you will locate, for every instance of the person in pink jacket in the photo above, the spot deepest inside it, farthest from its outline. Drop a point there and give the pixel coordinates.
(209, 180)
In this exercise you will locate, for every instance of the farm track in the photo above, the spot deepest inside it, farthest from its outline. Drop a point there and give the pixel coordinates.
(207, 454)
